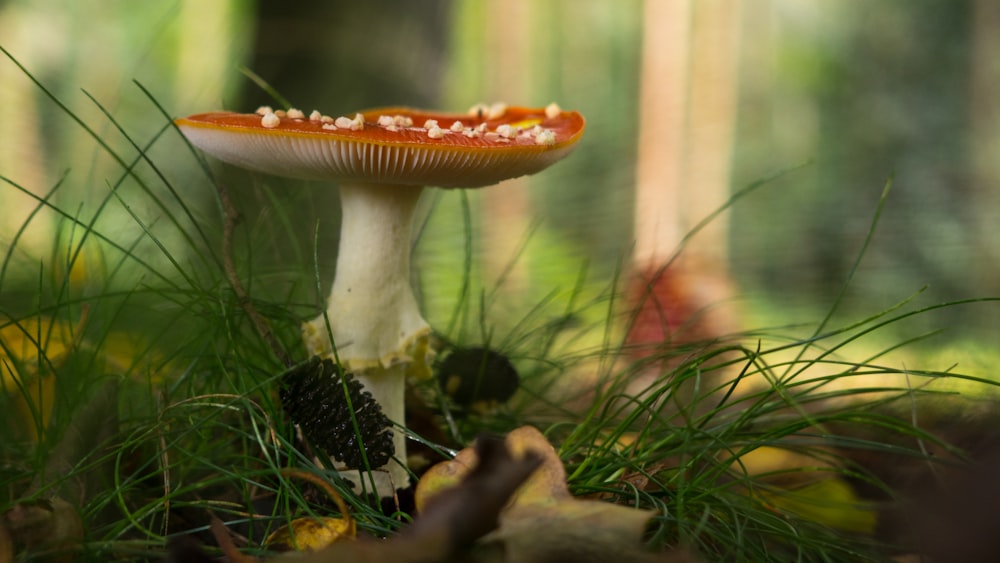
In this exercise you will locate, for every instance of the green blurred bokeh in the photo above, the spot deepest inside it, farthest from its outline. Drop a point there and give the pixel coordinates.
(863, 89)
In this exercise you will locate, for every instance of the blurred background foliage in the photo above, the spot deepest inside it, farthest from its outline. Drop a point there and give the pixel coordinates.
(861, 90)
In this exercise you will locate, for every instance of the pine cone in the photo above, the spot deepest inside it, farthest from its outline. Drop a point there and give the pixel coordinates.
(312, 395)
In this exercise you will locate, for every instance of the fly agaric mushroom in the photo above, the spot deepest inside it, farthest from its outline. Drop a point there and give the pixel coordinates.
(382, 159)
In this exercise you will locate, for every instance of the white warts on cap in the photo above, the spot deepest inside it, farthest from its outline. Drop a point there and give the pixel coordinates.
(270, 120)
(545, 137)
(506, 131)
(356, 124)
(525, 131)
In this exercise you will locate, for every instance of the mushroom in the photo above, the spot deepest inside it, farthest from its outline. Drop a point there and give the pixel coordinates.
(382, 159)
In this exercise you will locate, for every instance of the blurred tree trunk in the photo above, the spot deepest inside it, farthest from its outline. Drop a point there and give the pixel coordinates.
(711, 126)
(984, 133)
(663, 101)
(21, 158)
(505, 209)
(688, 110)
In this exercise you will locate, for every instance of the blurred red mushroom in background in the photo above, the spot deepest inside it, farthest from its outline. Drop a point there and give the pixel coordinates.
(671, 308)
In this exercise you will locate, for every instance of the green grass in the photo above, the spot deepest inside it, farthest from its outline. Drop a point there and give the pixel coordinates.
(164, 408)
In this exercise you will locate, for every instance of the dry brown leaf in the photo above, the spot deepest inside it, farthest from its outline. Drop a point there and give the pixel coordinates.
(543, 521)
(51, 526)
(450, 525)
(448, 474)
(516, 487)
(6, 545)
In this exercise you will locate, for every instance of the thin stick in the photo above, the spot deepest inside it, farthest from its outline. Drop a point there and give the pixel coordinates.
(232, 218)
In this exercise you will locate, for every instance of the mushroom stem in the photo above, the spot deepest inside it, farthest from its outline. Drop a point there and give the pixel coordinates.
(376, 325)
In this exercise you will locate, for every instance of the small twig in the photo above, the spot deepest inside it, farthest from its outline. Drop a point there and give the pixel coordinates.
(165, 464)
(232, 218)
(225, 542)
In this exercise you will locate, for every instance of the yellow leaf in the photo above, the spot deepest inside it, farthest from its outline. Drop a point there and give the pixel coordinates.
(806, 485)
(86, 265)
(781, 466)
(22, 340)
(310, 534)
(30, 351)
(830, 502)
(52, 526)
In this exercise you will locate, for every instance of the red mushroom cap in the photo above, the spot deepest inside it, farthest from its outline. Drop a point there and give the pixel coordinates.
(393, 146)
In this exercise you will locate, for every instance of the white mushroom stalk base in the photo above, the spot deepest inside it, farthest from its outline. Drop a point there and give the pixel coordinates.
(376, 325)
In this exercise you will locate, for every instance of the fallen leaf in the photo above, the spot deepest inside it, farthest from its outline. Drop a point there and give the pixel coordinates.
(830, 502)
(33, 349)
(449, 474)
(309, 533)
(50, 526)
(6, 545)
(806, 485)
(30, 351)
(543, 521)
(517, 484)
(451, 523)
(474, 505)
